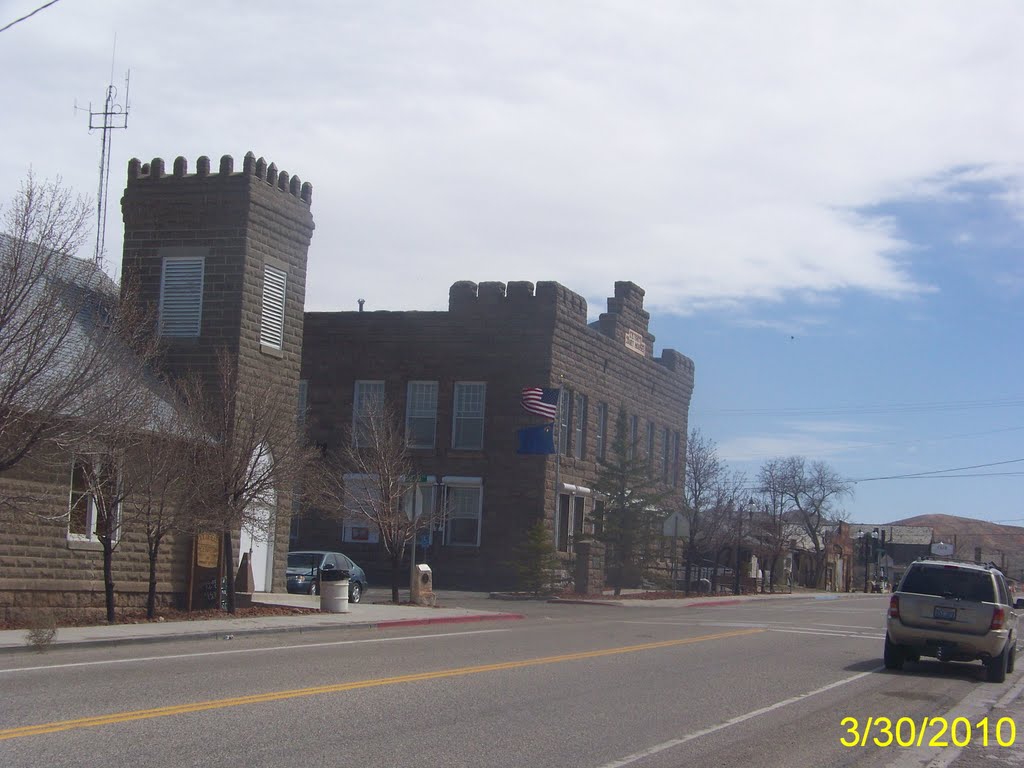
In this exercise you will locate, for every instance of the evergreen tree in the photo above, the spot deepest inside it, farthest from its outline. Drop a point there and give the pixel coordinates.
(536, 562)
(632, 507)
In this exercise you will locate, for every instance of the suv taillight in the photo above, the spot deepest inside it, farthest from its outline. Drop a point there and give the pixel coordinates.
(998, 618)
(894, 607)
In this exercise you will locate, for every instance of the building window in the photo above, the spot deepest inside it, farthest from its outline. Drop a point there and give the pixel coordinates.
(675, 459)
(303, 406)
(181, 296)
(421, 414)
(602, 430)
(464, 504)
(564, 418)
(666, 453)
(579, 441)
(650, 448)
(275, 282)
(634, 436)
(91, 479)
(367, 405)
(468, 426)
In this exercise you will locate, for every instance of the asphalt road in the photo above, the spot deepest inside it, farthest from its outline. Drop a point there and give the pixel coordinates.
(750, 684)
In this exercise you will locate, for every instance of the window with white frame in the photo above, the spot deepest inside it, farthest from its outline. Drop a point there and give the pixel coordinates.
(367, 405)
(421, 414)
(564, 419)
(94, 485)
(181, 296)
(579, 435)
(468, 420)
(275, 283)
(360, 500)
(464, 505)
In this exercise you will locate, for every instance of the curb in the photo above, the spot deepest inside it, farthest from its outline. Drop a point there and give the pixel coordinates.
(570, 601)
(230, 633)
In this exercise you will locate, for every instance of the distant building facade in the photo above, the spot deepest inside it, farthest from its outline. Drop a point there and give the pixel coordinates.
(456, 379)
(886, 551)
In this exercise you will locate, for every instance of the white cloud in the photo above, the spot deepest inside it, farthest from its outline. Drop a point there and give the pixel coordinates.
(714, 153)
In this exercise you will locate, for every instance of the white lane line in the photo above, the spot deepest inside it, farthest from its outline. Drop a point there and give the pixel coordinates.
(657, 748)
(247, 650)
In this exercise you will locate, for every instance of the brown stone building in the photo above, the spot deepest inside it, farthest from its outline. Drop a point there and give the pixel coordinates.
(221, 257)
(456, 377)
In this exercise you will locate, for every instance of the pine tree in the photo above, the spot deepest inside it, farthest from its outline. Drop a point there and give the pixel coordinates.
(631, 510)
(536, 562)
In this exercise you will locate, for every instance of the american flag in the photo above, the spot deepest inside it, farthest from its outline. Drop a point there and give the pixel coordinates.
(542, 401)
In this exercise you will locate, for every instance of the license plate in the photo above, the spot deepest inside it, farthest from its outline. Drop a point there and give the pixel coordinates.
(946, 614)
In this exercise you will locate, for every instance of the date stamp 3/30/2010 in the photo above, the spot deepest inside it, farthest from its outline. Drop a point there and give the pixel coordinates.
(928, 731)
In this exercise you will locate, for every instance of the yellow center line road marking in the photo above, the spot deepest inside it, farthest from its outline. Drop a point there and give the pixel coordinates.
(261, 698)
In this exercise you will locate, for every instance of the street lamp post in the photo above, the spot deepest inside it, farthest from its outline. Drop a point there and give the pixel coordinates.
(867, 538)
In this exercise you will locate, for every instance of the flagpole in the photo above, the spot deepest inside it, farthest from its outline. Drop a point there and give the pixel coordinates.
(558, 463)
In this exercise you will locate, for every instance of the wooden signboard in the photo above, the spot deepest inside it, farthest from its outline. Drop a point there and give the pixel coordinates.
(205, 575)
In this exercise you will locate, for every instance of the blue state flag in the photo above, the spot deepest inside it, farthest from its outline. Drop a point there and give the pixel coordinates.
(537, 440)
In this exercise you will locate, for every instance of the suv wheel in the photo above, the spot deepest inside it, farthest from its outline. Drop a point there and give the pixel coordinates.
(894, 656)
(998, 666)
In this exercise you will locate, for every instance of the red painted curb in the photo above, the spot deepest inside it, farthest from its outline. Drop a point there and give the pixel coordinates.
(447, 620)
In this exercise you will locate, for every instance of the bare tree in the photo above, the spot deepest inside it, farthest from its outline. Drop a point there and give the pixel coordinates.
(163, 493)
(373, 477)
(702, 497)
(814, 489)
(773, 516)
(250, 454)
(46, 300)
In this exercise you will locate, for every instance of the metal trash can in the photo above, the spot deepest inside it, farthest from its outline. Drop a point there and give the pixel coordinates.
(334, 591)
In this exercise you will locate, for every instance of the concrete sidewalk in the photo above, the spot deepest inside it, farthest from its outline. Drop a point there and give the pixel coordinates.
(362, 615)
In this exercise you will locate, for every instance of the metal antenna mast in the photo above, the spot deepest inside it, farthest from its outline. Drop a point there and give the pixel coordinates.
(112, 117)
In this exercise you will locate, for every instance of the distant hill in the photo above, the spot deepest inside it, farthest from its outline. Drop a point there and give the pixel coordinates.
(1001, 544)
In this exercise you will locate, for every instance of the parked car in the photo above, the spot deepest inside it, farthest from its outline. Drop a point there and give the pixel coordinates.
(953, 611)
(304, 569)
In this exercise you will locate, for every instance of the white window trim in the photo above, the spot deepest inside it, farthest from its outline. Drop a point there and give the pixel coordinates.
(455, 414)
(91, 514)
(357, 409)
(455, 481)
(409, 415)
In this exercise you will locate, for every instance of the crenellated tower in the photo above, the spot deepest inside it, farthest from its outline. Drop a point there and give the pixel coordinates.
(220, 260)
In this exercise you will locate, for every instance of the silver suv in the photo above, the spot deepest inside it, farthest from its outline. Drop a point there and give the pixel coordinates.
(953, 611)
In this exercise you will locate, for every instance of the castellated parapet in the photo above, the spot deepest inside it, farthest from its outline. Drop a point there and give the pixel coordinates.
(252, 167)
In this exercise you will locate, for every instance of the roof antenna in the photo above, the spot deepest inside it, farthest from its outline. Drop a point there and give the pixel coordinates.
(113, 116)
(361, 302)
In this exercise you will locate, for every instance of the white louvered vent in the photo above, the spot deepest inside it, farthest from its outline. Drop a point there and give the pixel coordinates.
(181, 296)
(272, 319)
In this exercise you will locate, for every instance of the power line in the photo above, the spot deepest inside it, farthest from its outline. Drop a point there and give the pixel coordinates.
(938, 472)
(932, 407)
(29, 15)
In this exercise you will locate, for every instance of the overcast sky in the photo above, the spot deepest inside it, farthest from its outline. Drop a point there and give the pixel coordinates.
(823, 200)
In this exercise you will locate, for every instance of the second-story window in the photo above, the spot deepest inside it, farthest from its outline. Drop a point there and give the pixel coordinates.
(564, 419)
(634, 436)
(181, 296)
(579, 409)
(468, 420)
(421, 414)
(650, 448)
(602, 430)
(367, 405)
(275, 283)
(666, 453)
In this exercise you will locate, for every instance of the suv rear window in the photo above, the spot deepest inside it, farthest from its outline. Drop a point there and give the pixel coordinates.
(950, 582)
